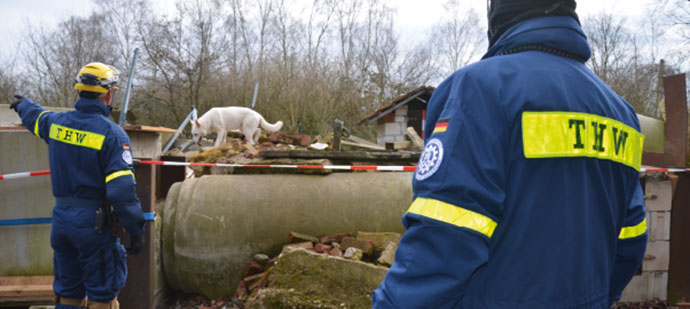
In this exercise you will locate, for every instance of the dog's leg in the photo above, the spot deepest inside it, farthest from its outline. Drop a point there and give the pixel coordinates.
(257, 133)
(219, 139)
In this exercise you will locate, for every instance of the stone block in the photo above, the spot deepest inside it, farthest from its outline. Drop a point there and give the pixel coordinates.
(647, 286)
(393, 128)
(656, 257)
(303, 245)
(401, 111)
(659, 225)
(637, 289)
(399, 138)
(381, 130)
(388, 139)
(326, 277)
(388, 255)
(659, 285)
(658, 195)
(366, 246)
(336, 252)
(380, 240)
(353, 253)
(400, 119)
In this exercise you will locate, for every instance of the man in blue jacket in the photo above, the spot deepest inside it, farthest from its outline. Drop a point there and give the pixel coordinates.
(527, 193)
(90, 165)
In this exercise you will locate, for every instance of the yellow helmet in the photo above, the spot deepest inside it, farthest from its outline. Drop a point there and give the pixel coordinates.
(96, 77)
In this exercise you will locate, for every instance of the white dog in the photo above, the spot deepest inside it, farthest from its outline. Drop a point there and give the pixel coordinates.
(223, 119)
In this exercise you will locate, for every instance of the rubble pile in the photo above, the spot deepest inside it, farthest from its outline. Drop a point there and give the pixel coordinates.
(235, 151)
(332, 271)
(652, 304)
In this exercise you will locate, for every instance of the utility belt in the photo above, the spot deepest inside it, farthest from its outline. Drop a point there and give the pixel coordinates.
(105, 216)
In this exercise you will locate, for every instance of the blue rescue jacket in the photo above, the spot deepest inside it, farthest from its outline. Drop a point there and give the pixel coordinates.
(527, 193)
(90, 158)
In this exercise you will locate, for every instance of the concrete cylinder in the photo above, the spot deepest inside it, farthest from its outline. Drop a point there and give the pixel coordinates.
(654, 131)
(214, 225)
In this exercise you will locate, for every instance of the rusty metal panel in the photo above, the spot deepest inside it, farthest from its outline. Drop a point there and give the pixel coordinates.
(679, 268)
(168, 175)
(676, 126)
(138, 291)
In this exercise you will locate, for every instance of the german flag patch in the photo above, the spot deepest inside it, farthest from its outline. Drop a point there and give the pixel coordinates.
(441, 125)
(125, 146)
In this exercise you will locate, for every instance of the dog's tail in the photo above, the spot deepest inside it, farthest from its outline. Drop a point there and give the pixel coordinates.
(270, 127)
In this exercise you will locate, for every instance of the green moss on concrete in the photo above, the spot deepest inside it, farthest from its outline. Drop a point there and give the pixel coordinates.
(330, 279)
(289, 298)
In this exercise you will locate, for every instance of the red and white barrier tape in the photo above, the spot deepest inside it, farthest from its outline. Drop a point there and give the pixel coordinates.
(331, 167)
(23, 175)
(398, 168)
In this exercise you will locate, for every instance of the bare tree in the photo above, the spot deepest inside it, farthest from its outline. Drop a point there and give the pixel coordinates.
(56, 56)
(458, 37)
(183, 54)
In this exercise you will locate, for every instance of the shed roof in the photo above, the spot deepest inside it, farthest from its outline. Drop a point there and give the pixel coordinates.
(422, 93)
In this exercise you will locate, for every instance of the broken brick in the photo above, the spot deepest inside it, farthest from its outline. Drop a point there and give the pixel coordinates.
(241, 290)
(260, 283)
(253, 268)
(334, 237)
(321, 248)
(299, 237)
(301, 140)
(380, 240)
(366, 246)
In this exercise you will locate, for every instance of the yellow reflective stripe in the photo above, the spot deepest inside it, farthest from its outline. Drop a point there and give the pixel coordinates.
(76, 137)
(118, 174)
(36, 123)
(634, 231)
(568, 134)
(454, 215)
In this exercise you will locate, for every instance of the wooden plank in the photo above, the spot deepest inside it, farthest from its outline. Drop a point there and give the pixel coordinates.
(29, 286)
(360, 145)
(414, 137)
(150, 129)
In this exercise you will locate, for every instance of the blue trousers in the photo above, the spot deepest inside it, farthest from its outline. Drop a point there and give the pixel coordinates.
(85, 263)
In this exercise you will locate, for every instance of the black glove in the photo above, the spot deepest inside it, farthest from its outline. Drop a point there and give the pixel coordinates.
(135, 244)
(14, 105)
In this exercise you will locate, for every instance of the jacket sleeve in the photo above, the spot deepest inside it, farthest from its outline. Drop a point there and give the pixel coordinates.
(459, 193)
(35, 118)
(120, 184)
(631, 246)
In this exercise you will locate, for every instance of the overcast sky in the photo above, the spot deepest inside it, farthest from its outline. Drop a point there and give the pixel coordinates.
(414, 16)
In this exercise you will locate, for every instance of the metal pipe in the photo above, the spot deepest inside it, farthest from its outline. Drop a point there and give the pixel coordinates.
(125, 102)
(212, 226)
(191, 115)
